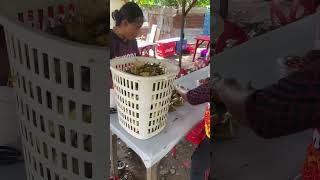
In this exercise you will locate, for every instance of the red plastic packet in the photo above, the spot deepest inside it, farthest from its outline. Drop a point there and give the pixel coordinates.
(197, 134)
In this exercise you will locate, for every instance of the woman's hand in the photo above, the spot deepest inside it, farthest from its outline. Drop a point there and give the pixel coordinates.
(233, 95)
(204, 81)
(182, 91)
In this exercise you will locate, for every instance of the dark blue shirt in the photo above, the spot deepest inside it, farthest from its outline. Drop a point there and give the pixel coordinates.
(120, 48)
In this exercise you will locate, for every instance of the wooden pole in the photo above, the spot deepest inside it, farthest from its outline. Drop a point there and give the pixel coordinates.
(182, 30)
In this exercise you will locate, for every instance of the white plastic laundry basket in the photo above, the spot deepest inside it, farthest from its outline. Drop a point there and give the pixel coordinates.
(142, 102)
(62, 101)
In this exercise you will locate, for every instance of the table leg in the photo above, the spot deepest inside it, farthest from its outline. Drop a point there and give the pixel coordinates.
(208, 45)
(114, 156)
(195, 50)
(174, 152)
(152, 173)
(142, 51)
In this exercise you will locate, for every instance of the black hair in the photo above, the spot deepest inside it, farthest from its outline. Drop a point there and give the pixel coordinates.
(130, 12)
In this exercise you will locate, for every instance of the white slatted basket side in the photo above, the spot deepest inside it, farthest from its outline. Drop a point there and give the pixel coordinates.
(57, 79)
(143, 102)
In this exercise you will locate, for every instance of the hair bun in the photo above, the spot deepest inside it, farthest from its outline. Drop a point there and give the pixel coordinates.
(116, 15)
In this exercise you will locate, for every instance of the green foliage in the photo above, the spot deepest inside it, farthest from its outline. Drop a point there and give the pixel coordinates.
(174, 3)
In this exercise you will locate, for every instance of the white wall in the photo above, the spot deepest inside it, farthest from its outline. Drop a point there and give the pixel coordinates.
(114, 4)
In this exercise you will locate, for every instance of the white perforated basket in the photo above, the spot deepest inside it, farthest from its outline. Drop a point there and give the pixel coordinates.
(61, 98)
(142, 102)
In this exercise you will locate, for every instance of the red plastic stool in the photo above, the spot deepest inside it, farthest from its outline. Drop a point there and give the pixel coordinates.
(195, 136)
(181, 73)
(231, 31)
(276, 11)
(115, 178)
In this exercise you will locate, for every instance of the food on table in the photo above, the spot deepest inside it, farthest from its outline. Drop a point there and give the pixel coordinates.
(140, 68)
(176, 101)
(294, 62)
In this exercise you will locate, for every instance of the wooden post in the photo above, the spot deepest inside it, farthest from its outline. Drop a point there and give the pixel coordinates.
(182, 30)
(152, 173)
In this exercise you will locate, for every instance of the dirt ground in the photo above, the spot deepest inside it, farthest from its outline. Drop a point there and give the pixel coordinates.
(168, 168)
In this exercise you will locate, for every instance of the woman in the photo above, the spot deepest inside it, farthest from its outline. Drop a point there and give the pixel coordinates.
(128, 21)
(200, 160)
(287, 107)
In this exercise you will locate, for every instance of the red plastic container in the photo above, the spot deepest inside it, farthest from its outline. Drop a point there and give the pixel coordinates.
(197, 134)
(166, 49)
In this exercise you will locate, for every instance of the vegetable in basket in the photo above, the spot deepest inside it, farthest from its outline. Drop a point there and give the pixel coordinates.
(145, 69)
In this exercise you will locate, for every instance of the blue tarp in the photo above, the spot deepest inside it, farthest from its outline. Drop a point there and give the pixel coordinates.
(206, 25)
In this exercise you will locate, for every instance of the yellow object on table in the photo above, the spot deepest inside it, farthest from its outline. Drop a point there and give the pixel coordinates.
(207, 120)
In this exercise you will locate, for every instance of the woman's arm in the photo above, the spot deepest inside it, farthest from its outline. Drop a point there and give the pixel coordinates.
(199, 95)
(289, 106)
(196, 96)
